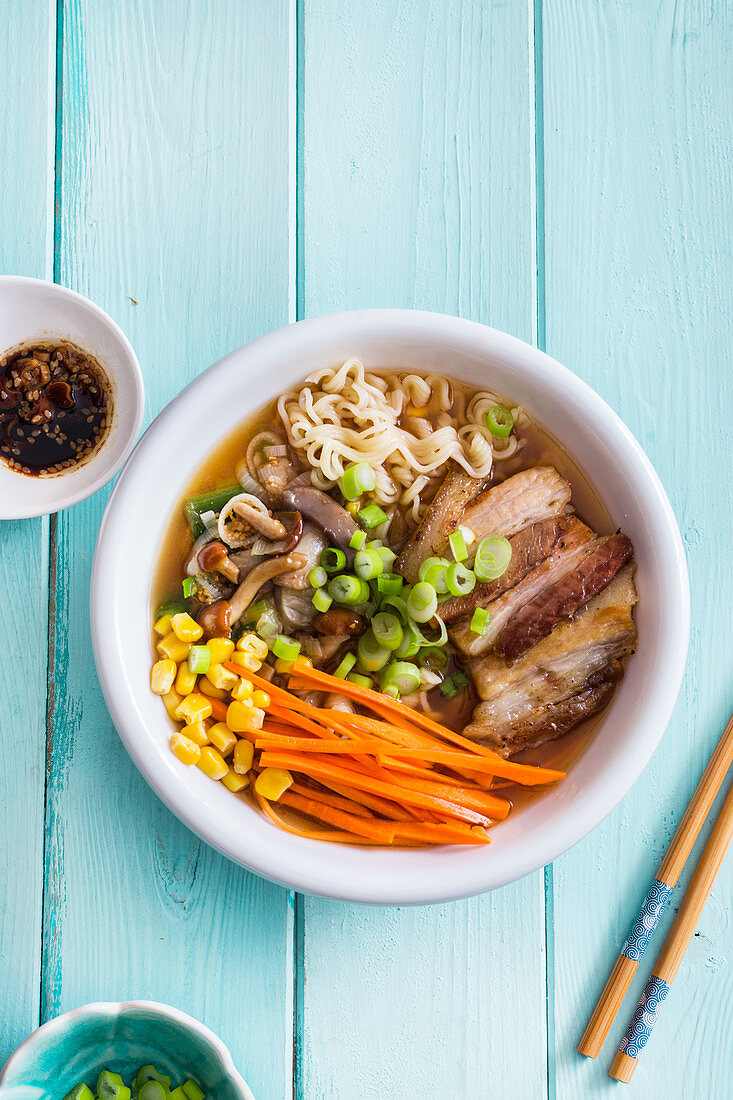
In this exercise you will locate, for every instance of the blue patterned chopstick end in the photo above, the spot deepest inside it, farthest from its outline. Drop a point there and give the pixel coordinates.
(645, 1017)
(647, 920)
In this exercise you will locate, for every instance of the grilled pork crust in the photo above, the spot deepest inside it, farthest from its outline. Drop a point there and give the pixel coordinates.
(562, 679)
(536, 619)
(440, 520)
(523, 499)
(529, 547)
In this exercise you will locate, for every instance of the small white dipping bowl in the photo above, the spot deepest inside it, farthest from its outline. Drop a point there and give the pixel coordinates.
(33, 311)
(205, 413)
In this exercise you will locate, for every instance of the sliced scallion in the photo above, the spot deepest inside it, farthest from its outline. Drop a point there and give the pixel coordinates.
(389, 584)
(460, 580)
(480, 620)
(454, 684)
(388, 557)
(287, 649)
(371, 516)
(349, 590)
(357, 479)
(493, 555)
(255, 610)
(433, 657)
(422, 603)
(499, 421)
(387, 630)
(317, 577)
(188, 585)
(321, 600)
(372, 655)
(458, 545)
(409, 646)
(358, 539)
(368, 564)
(428, 564)
(333, 559)
(346, 666)
(199, 659)
(403, 675)
(395, 603)
(362, 681)
(436, 575)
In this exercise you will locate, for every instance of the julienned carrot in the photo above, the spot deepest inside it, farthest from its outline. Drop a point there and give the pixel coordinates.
(310, 834)
(329, 798)
(479, 800)
(380, 831)
(219, 709)
(383, 806)
(317, 768)
(443, 834)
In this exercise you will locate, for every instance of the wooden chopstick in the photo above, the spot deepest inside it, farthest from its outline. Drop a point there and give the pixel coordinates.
(657, 896)
(675, 945)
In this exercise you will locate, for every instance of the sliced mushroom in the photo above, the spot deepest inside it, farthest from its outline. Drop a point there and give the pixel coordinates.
(254, 581)
(339, 620)
(213, 558)
(262, 521)
(310, 548)
(215, 619)
(323, 510)
(293, 524)
(295, 607)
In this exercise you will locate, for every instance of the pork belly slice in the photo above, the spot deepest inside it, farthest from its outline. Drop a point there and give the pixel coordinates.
(536, 619)
(566, 677)
(440, 520)
(529, 547)
(566, 555)
(523, 499)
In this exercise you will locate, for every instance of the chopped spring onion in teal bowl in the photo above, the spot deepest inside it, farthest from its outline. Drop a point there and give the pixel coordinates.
(99, 1044)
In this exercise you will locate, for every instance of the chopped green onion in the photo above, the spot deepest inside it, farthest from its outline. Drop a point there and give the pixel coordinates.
(493, 555)
(468, 535)
(362, 681)
(287, 649)
(371, 516)
(392, 690)
(433, 657)
(151, 1090)
(110, 1086)
(150, 1073)
(388, 557)
(348, 590)
(188, 584)
(459, 579)
(499, 421)
(199, 659)
(454, 684)
(255, 611)
(397, 603)
(480, 620)
(428, 564)
(346, 666)
(192, 1090)
(409, 646)
(424, 640)
(317, 577)
(372, 655)
(374, 544)
(333, 559)
(170, 607)
(389, 584)
(435, 575)
(179, 1094)
(387, 630)
(458, 545)
(321, 600)
(80, 1092)
(357, 479)
(403, 675)
(368, 564)
(422, 603)
(268, 624)
(197, 507)
(357, 540)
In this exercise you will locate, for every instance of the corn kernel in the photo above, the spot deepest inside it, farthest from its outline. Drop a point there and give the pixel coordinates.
(221, 649)
(272, 782)
(163, 625)
(206, 686)
(353, 506)
(193, 707)
(234, 782)
(186, 628)
(186, 751)
(162, 675)
(244, 752)
(243, 660)
(174, 648)
(300, 660)
(185, 680)
(261, 699)
(196, 732)
(243, 691)
(282, 666)
(222, 738)
(240, 717)
(172, 701)
(212, 763)
(250, 643)
(221, 677)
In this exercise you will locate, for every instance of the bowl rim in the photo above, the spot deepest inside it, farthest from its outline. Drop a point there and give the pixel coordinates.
(295, 873)
(120, 1008)
(66, 497)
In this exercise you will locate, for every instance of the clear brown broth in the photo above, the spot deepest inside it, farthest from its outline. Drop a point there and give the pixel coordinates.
(538, 448)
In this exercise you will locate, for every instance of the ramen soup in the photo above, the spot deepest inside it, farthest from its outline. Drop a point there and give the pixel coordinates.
(379, 603)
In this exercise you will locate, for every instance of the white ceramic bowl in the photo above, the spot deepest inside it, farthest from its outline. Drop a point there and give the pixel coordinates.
(141, 507)
(34, 310)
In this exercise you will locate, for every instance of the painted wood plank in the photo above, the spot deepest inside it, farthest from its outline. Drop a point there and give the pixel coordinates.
(417, 190)
(175, 216)
(639, 277)
(27, 56)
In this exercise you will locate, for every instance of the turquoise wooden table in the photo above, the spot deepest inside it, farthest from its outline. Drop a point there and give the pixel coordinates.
(210, 171)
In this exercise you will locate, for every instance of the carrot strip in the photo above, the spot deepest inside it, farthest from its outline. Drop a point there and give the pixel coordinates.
(479, 800)
(330, 799)
(310, 834)
(318, 768)
(374, 802)
(218, 709)
(371, 828)
(444, 834)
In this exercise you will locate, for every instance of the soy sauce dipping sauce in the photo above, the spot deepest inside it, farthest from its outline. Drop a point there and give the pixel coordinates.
(55, 408)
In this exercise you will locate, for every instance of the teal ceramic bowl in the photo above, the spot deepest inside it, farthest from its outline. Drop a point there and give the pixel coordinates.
(122, 1037)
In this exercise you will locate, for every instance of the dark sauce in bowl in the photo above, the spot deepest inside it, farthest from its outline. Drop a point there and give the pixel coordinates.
(55, 408)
